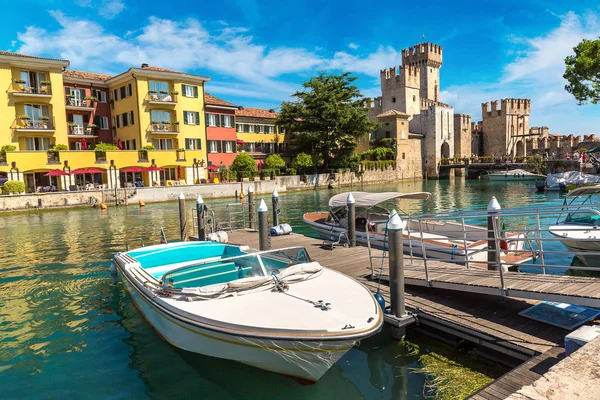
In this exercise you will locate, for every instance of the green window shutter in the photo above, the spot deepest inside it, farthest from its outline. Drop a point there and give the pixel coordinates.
(219, 146)
(232, 121)
(222, 120)
(70, 117)
(182, 89)
(218, 119)
(199, 143)
(82, 93)
(197, 118)
(185, 117)
(196, 91)
(246, 128)
(130, 90)
(187, 144)
(206, 118)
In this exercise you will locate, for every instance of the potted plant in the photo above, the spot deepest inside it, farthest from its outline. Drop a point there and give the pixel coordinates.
(20, 81)
(44, 118)
(46, 83)
(165, 122)
(175, 123)
(174, 92)
(91, 98)
(71, 124)
(70, 95)
(24, 117)
(152, 91)
(155, 122)
(163, 91)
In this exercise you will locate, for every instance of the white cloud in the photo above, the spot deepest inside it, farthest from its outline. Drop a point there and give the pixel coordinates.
(536, 73)
(106, 8)
(255, 69)
(353, 46)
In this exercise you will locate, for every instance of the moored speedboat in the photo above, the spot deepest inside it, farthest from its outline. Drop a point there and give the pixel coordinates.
(442, 239)
(579, 231)
(275, 310)
(515, 175)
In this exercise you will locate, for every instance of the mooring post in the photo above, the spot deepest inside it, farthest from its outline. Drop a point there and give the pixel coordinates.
(351, 203)
(275, 201)
(493, 210)
(200, 209)
(250, 207)
(182, 224)
(263, 226)
(396, 265)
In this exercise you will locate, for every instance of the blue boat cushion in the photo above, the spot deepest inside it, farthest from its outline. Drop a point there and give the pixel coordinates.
(209, 276)
(184, 253)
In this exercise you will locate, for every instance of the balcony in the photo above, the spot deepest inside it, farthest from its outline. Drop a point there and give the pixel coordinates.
(21, 89)
(73, 103)
(53, 157)
(162, 97)
(44, 124)
(79, 131)
(167, 128)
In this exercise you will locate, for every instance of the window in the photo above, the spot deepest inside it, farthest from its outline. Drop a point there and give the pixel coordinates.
(228, 121)
(387, 134)
(128, 90)
(189, 91)
(163, 144)
(37, 143)
(120, 121)
(102, 122)
(281, 130)
(130, 118)
(75, 145)
(414, 98)
(211, 119)
(258, 128)
(212, 146)
(191, 118)
(228, 146)
(160, 116)
(35, 111)
(269, 128)
(249, 147)
(393, 99)
(193, 144)
(122, 94)
(247, 128)
(239, 127)
(373, 135)
(33, 80)
(158, 86)
(404, 156)
(101, 96)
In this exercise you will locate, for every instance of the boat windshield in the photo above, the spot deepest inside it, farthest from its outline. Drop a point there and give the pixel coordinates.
(579, 209)
(583, 219)
(225, 270)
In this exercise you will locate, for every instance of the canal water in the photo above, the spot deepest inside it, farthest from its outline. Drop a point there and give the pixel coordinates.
(67, 332)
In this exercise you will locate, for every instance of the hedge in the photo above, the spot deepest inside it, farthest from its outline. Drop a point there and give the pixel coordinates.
(14, 187)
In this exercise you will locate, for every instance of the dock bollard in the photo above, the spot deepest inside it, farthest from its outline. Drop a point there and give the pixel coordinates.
(396, 265)
(250, 207)
(182, 223)
(351, 203)
(200, 208)
(263, 226)
(493, 209)
(275, 201)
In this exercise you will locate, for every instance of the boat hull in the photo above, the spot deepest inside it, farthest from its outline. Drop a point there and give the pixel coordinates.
(509, 177)
(303, 359)
(580, 240)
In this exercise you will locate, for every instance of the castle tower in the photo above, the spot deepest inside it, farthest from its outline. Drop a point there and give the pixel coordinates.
(400, 89)
(428, 58)
(505, 128)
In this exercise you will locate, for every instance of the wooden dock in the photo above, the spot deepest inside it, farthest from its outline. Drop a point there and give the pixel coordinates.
(464, 311)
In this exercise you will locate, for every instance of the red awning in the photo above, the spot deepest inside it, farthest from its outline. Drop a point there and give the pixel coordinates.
(153, 168)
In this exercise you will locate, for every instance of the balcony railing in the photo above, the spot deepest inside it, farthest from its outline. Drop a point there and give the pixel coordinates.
(23, 88)
(161, 97)
(78, 103)
(33, 124)
(80, 130)
(164, 127)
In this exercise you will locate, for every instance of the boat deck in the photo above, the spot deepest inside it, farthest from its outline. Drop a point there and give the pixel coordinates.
(462, 305)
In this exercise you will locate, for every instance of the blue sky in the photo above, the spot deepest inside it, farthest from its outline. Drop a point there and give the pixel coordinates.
(259, 52)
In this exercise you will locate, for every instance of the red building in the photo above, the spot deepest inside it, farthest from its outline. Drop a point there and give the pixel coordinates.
(88, 109)
(220, 131)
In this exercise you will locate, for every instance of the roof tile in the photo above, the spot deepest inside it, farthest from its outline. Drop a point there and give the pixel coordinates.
(209, 99)
(11, 54)
(86, 75)
(256, 112)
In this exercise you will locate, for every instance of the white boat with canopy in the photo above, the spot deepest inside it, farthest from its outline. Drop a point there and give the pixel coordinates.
(565, 181)
(580, 228)
(449, 240)
(276, 310)
(514, 175)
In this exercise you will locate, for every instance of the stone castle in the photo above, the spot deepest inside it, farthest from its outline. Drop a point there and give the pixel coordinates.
(426, 131)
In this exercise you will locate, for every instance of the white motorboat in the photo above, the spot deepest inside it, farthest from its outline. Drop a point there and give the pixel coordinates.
(441, 239)
(275, 310)
(580, 229)
(514, 175)
(566, 181)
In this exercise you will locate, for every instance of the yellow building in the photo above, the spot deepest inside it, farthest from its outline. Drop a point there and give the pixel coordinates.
(258, 134)
(149, 107)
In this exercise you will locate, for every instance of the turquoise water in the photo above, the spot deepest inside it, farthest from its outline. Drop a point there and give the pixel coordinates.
(67, 332)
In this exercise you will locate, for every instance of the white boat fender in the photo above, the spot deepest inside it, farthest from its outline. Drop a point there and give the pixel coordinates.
(281, 229)
(219, 237)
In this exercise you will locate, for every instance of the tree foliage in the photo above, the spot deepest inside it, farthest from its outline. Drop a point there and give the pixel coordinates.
(536, 163)
(5, 148)
(244, 163)
(583, 72)
(274, 161)
(328, 116)
(380, 153)
(302, 161)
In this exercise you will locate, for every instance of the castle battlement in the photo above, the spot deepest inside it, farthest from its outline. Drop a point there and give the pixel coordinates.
(423, 53)
(426, 103)
(507, 107)
(463, 118)
(402, 76)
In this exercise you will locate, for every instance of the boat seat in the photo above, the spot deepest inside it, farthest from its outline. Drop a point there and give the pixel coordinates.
(160, 270)
(221, 277)
(202, 271)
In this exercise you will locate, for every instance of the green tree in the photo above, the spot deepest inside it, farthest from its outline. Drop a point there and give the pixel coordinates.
(328, 116)
(244, 165)
(536, 163)
(583, 72)
(5, 148)
(302, 162)
(274, 161)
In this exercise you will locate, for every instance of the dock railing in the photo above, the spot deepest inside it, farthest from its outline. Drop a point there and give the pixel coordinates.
(518, 238)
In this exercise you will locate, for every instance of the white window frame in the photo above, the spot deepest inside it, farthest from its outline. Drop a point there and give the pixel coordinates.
(228, 147)
(212, 147)
(120, 120)
(101, 96)
(130, 118)
(161, 144)
(227, 121)
(103, 123)
(269, 128)
(189, 91)
(212, 119)
(127, 91)
(192, 143)
(191, 118)
(37, 143)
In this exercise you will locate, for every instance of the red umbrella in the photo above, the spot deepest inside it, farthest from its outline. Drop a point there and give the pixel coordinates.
(153, 168)
(119, 144)
(94, 171)
(240, 141)
(56, 172)
(78, 171)
(132, 169)
(83, 144)
(212, 167)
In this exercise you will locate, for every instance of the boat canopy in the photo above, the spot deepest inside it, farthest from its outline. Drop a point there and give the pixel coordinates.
(366, 199)
(571, 178)
(584, 190)
(597, 149)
